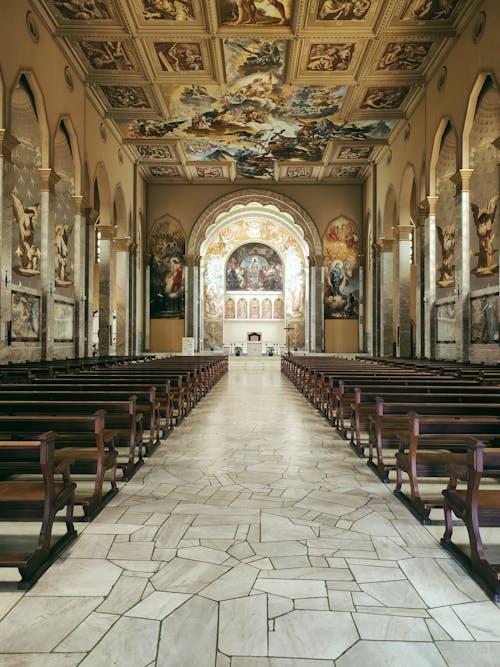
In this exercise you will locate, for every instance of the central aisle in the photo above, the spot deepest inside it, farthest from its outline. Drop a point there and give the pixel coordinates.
(253, 531)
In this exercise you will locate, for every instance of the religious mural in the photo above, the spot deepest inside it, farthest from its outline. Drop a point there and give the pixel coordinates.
(431, 10)
(123, 97)
(152, 152)
(25, 314)
(484, 319)
(234, 247)
(107, 55)
(256, 120)
(179, 56)
(445, 322)
(330, 57)
(384, 98)
(341, 248)
(168, 10)
(404, 56)
(254, 266)
(343, 10)
(167, 249)
(64, 321)
(83, 10)
(355, 152)
(63, 211)
(255, 12)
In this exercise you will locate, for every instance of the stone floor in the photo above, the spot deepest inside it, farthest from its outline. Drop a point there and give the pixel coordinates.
(252, 538)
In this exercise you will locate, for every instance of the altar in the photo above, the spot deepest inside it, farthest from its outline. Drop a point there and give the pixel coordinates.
(254, 348)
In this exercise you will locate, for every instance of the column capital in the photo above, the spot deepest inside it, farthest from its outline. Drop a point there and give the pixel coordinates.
(48, 179)
(405, 232)
(108, 233)
(461, 180)
(423, 209)
(78, 203)
(385, 245)
(190, 260)
(7, 144)
(123, 245)
(432, 200)
(91, 216)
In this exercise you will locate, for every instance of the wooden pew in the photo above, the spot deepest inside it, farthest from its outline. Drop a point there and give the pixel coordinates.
(121, 416)
(82, 440)
(34, 500)
(383, 420)
(425, 453)
(477, 507)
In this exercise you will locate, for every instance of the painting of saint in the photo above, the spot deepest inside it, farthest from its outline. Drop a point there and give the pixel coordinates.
(179, 56)
(267, 309)
(230, 309)
(106, 55)
(247, 56)
(341, 247)
(167, 247)
(168, 10)
(279, 309)
(242, 309)
(124, 97)
(384, 98)
(355, 152)
(25, 314)
(251, 12)
(445, 319)
(404, 56)
(83, 10)
(484, 319)
(431, 10)
(254, 309)
(330, 57)
(343, 10)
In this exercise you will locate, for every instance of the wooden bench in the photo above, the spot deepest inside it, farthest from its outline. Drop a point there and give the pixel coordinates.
(81, 439)
(38, 499)
(383, 420)
(477, 507)
(425, 453)
(121, 417)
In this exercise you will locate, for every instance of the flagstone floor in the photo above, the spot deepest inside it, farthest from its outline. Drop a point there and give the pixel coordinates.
(252, 538)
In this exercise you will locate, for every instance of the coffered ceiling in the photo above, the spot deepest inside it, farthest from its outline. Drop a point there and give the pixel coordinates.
(237, 90)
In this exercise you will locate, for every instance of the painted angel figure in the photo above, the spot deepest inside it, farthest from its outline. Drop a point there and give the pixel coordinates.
(446, 236)
(484, 219)
(27, 250)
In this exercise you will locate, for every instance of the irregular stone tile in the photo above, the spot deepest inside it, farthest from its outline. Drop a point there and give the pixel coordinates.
(341, 601)
(462, 580)
(276, 549)
(450, 623)
(241, 550)
(204, 554)
(277, 605)
(395, 594)
(482, 619)
(280, 528)
(8, 600)
(366, 573)
(223, 532)
(131, 551)
(291, 588)
(312, 634)
(77, 576)
(285, 562)
(126, 592)
(436, 631)
(89, 546)
(320, 604)
(322, 573)
(49, 619)
(469, 653)
(279, 662)
(111, 529)
(158, 605)
(243, 626)
(88, 633)
(42, 660)
(383, 654)
(427, 577)
(172, 531)
(235, 583)
(387, 549)
(121, 646)
(392, 628)
(186, 576)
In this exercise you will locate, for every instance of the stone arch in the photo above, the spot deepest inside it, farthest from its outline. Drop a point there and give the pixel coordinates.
(38, 102)
(389, 218)
(472, 106)
(264, 198)
(442, 129)
(406, 288)
(65, 124)
(2, 101)
(101, 182)
(120, 218)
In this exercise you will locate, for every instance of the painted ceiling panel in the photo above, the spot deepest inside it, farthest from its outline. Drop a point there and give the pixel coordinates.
(231, 90)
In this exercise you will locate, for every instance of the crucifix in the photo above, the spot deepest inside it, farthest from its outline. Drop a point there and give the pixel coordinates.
(288, 329)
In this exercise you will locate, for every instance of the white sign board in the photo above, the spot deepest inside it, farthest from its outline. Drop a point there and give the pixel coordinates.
(187, 345)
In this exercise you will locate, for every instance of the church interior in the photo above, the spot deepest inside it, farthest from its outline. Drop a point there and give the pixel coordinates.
(236, 238)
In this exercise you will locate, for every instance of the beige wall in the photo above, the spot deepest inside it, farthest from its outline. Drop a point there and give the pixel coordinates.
(166, 335)
(341, 336)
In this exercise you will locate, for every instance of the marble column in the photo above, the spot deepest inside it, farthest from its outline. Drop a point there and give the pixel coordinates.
(106, 291)
(7, 145)
(189, 295)
(147, 299)
(316, 301)
(420, 266)
(133, 306)
(374, 347)
(361, 311)
(79, 275)
(403, 287)
(386, 305)
(462, 276)
(122, 296)
(48, 179)
(90, 216)
(430, 278)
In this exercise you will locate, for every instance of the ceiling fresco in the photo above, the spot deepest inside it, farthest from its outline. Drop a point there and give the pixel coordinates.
(237, 90)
